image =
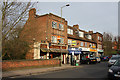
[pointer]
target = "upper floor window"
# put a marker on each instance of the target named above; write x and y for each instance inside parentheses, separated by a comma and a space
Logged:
(81, 34)
(89, 37)
(99, 46)
(61, 27)
(54, 39)
(69, 42)
(70, 31)
(98, 38)
(81, 44)
(54, 24)
(61, 40)
(90, 44)
(85, 44)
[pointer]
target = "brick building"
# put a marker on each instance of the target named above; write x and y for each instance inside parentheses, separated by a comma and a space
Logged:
(98, 38)
(82, 41)
(48, 33)
(50, 36)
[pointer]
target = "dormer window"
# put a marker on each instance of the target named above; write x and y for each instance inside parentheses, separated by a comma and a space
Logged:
(70, 31)
(89, 37)
(81, 34)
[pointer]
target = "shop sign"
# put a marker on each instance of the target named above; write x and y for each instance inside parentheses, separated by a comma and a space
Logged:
(84, 49)
(73, 42)
(93, 50)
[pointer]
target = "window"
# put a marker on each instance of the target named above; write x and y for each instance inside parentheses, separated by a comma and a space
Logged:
(61, 27)
(90, 44)
(98, 38)
(54, 39)
(69, 42)
(81, 44)
(81, 34)
(99, 46)
(61, 40)
(89, 37)
(54, 24)
(85, 44)
(70, 31)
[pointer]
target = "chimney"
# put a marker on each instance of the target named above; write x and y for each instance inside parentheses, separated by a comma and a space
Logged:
(32, 13)
(76, 26)
(90, 32)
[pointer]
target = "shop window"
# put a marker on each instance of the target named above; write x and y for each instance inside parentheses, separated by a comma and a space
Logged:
(54, 25)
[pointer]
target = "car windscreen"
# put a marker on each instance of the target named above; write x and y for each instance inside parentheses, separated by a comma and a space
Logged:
(117, 63)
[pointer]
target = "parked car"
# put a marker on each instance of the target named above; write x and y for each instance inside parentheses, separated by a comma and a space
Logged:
(114, 71)
(88, 59)
(113, 60)
(104, 58)
(98, 59)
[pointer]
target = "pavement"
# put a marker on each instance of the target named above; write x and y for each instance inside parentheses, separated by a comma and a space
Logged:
(36, 70)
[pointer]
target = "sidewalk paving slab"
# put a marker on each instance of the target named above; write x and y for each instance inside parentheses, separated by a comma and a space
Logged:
(35, 70)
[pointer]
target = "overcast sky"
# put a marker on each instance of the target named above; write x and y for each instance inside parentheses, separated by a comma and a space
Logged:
(96, 16)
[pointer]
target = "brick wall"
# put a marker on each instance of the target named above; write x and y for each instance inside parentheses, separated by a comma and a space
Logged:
(29, 63)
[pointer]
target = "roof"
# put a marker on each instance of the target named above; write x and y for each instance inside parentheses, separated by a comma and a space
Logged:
(76, 37)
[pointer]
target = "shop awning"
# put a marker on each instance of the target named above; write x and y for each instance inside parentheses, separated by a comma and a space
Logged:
(45, 50)
(74, 51)
(59, 51)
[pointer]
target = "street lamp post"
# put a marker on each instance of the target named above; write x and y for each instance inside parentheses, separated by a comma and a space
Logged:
(61, 23)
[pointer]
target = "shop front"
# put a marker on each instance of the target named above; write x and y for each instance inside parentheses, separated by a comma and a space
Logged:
(59, 51)
(74, 55)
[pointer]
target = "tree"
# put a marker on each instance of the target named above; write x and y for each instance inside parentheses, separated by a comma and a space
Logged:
(14, 15)
(107, 43)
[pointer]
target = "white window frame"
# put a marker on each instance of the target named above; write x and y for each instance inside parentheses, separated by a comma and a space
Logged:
(69, 42)
(62, 40)
(81, 34)
(82, 44)
(85, 44)
(69, 31)
(61, 26)
(54, 39)
(54, 24)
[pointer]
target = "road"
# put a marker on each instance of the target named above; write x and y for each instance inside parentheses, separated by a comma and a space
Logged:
(98, 70)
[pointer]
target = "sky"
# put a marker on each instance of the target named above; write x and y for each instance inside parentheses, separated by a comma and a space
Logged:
(97, 16)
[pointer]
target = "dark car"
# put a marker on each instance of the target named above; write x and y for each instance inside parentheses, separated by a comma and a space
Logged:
(114, 71)
(88, 59)
(104, 58)
(112, 60)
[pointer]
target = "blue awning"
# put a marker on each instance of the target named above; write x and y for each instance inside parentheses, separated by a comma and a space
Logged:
(75, 52)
